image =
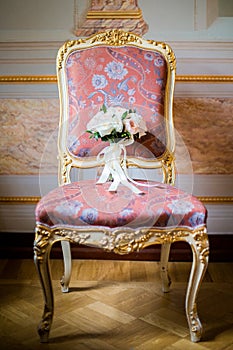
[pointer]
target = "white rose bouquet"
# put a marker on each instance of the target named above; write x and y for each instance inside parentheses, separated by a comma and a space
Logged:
(116, 123)
(120, 127)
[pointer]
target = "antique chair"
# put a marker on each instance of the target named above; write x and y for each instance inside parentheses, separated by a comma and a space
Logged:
(117, 68)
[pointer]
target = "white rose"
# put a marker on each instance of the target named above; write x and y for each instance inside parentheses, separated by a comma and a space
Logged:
(105, 123)
(134, 124)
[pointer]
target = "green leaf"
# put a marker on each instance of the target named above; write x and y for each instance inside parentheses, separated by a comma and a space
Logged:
(132, 110)
(103, 108)
(124, 115)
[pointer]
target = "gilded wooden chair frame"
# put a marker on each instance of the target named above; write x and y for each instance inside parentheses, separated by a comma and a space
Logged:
(120, 240)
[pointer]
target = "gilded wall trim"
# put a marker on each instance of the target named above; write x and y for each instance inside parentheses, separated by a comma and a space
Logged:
(216, 200)
(19, 200)
(137, 14)
(52, 79)
(204, 78)
(35, 200)
(28, 79)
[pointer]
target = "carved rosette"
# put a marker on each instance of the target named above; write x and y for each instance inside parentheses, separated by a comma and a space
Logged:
(116, 37)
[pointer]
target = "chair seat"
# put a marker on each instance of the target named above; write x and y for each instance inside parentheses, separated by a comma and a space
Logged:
(87, 203)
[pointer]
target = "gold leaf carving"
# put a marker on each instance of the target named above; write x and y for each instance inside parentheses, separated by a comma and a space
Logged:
(170, 236)
(170, 54)
(126, 244)
(64, 49)
(116, 37)
(168, 165)
(72, 235)
(42, 237)
(202, 244)
(66, 162)
(195, 323)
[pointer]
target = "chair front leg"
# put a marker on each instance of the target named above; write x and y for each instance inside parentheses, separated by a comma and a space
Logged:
(42, 249)
(166, 280)
(200, 248)
(65, 280)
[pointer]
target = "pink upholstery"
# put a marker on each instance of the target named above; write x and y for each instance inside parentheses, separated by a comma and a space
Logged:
(86, 203)
(126, 76)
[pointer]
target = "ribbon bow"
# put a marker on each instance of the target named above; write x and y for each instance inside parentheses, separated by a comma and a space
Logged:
(115, 165)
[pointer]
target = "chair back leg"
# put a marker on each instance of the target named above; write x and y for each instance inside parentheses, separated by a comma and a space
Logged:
(65, 280)
(166, 280)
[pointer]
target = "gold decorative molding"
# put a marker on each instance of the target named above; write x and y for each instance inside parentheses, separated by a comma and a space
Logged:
(52, 79)
(19, 200)
(28, 79)
(35, 200)
(216, 200)
(204, 78)
(64, 49)
(116, 37)
(137, 14)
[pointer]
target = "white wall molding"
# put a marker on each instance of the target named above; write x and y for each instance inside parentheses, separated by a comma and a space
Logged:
(205, 90)
(31, 185)
(47, 91)
(39, 59)
(17, 218)
(220, 220)
(28, 91)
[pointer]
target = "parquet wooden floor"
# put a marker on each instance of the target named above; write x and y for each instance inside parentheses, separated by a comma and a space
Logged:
(114, 305)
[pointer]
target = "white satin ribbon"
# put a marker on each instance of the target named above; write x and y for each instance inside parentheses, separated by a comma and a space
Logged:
(115, 165)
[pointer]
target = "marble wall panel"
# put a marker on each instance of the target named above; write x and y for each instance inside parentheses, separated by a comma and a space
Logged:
(206, 125)
(29, 131)
(27, 127)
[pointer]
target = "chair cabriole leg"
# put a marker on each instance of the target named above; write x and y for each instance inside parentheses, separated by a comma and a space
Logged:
(200, 248)
(42, 249)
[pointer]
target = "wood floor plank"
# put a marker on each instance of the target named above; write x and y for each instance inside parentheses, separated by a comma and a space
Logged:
(114, 305)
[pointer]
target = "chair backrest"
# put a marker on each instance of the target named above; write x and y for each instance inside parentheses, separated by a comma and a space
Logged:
(116, 68)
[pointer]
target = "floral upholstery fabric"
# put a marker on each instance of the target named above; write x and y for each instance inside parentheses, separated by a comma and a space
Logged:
(125, 76)
(86, 203)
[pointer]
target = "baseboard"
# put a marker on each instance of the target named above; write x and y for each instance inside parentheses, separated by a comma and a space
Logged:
(20, 246)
